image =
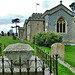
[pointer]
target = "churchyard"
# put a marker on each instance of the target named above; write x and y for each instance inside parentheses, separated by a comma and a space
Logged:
(69, 53)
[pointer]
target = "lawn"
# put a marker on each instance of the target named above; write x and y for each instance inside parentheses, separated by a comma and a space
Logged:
(6, 41)
(69, 54)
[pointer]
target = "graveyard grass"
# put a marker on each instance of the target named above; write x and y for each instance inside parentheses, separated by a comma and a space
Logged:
(69, 53)
(6, 41)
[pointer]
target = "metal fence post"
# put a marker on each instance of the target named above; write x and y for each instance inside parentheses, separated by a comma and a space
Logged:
(43, 68)
(11, 67)
(53, 64)
(20, 64)
(35, 65)
(50, 65)
(28, 67)
(56, 64)
(2, 65)
(46, 58)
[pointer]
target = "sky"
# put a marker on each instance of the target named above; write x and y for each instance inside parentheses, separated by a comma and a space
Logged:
(22, 9)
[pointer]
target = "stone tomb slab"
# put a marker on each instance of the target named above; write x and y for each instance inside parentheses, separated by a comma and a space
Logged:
(14, 51)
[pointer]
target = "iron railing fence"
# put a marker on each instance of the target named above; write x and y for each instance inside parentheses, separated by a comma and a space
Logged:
(38, 68)
(53, 63)
(49, 64)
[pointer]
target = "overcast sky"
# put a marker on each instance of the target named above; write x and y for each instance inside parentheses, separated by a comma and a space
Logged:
(22, 9)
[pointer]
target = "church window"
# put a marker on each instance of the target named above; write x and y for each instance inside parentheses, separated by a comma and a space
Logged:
(57, 27)
(61, 25)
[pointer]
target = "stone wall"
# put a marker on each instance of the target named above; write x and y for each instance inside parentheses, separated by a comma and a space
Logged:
(21, 32)
(47, 23)
(74, 28)
(25, 35)
(28, 31)
(67, 37)
(35, 27)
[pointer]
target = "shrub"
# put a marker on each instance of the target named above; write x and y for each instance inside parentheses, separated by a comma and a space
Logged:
(39, 38)
(46, 39)
(52, 37)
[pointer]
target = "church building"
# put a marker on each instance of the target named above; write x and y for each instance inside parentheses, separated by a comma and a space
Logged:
(59, 19)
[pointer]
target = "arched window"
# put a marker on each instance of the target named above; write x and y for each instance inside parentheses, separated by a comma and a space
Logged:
(61, 25)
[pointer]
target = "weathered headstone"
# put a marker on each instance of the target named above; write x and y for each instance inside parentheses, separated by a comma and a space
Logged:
(6, 36)
(21, 40)
(58, 48)
(14, 37)
(0, 35)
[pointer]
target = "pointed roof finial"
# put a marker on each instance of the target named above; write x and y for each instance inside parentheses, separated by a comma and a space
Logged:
(60, 1)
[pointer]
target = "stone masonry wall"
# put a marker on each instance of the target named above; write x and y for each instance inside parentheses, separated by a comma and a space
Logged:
(52, 22)
(36, 27)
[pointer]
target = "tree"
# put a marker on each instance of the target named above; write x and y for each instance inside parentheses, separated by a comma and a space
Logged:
(72, 6)
(16, 20)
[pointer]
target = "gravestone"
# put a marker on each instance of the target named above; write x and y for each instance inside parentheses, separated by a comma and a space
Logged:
(0, 35)
(21, 40)
(58, 48)
(14, 37)
(6, 36)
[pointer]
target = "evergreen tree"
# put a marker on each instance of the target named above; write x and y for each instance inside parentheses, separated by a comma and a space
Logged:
(16, 20)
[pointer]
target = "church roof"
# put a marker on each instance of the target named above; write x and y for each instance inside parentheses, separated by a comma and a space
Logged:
(57, 8)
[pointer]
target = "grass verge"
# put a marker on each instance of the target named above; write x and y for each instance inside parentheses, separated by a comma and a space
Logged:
(70, 55)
